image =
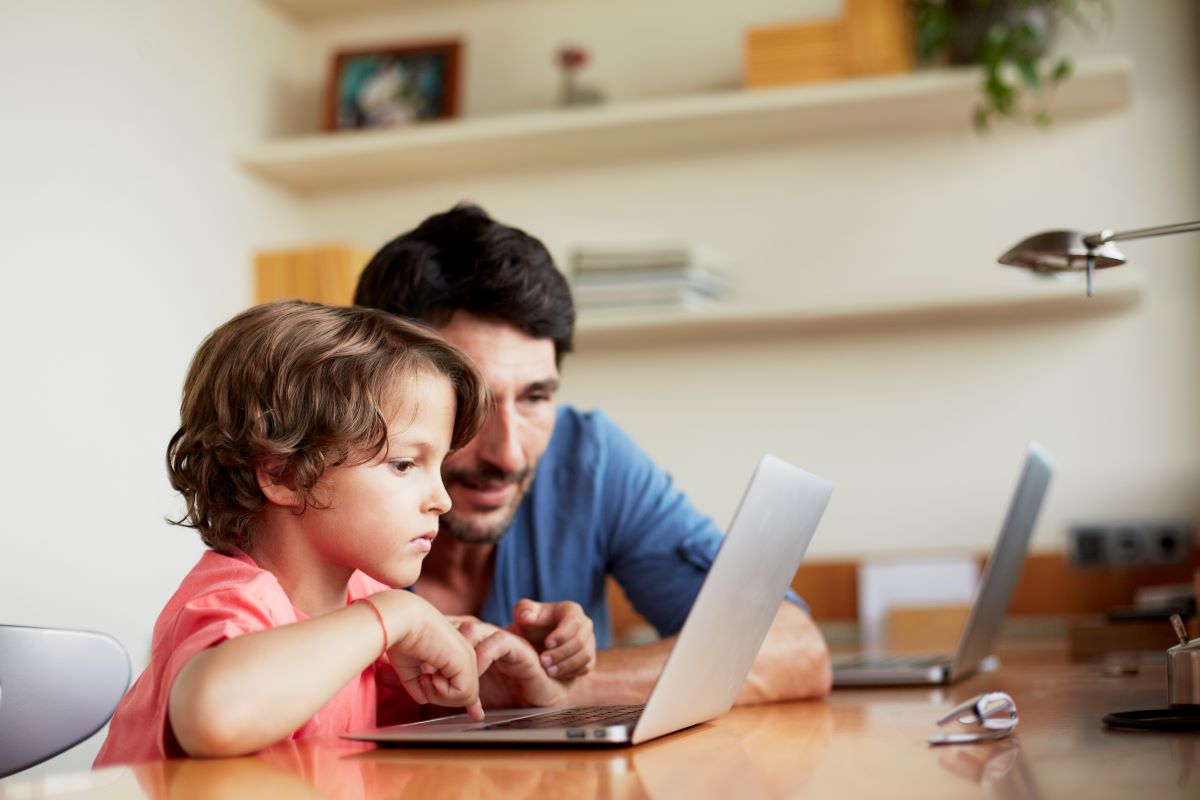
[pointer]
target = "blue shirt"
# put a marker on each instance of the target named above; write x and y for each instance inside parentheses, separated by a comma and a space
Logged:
(597, 506)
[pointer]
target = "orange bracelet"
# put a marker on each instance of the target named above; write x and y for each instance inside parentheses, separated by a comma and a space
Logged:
(382, 625)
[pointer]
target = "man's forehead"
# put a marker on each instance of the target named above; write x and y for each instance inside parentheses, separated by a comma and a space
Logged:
(501, 350)
(505, 369)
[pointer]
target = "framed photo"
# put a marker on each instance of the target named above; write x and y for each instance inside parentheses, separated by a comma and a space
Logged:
(393, 85)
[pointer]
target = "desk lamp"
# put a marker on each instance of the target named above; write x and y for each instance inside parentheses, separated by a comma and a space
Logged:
(1069, 251)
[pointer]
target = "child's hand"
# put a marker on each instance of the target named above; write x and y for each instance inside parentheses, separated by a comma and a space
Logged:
(434, 662)
(561, 632)
(510, 675)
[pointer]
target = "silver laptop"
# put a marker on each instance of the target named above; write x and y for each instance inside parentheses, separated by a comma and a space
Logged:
(991, 599)
(728, 622)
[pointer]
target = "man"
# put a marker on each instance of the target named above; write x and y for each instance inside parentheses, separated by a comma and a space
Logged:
(547, 501)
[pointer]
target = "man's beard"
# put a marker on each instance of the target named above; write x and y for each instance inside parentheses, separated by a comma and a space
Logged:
(471, 533)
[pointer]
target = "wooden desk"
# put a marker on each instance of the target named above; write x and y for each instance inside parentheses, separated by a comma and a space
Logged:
(861, 743)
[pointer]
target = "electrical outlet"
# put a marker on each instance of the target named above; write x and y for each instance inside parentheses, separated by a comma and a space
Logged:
(1087, 546)
(1129, 544)
(1169, 543)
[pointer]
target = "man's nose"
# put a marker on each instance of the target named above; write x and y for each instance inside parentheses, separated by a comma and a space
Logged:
(499, 441)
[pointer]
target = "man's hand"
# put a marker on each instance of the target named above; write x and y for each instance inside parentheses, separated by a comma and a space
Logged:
(561, 633)
(792, 664)
(510, 675)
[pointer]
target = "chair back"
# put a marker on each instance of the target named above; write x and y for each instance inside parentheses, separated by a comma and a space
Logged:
(57, 688)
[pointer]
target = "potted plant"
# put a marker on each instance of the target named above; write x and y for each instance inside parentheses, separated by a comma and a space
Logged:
(1010, 40)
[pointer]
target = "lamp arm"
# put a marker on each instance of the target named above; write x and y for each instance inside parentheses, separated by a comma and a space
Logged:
(1096, 239)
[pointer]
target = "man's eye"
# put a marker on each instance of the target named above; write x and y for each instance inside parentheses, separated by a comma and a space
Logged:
(403, 465)
(539, 397)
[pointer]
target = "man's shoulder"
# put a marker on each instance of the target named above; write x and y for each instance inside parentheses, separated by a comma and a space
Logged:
(590, 455)
(578, 422)
(588, 444)
(580, 433)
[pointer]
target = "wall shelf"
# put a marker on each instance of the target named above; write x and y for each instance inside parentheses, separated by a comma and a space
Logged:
(1035, 298)
(309, 11)
(737, 120)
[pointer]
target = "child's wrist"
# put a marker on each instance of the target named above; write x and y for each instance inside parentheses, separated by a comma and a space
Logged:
(383, 627)
(395, 606)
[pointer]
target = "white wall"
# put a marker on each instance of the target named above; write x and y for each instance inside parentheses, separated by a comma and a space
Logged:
(921, 426)
(637, 48)
(127, 233)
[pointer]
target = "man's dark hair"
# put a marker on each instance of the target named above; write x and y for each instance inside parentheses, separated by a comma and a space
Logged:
(463, 260)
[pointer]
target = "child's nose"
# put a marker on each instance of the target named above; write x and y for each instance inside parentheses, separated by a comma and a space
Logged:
(439, 498)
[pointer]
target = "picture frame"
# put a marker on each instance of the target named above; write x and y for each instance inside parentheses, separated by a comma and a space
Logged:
(391, 85)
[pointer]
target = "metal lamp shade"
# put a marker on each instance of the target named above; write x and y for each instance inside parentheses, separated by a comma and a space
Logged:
(1061, 251)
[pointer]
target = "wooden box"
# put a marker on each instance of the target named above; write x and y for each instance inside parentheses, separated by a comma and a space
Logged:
(321, 274)
(872, 37)
(801, 53)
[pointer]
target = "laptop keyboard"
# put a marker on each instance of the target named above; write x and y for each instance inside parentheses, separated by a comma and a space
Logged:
(580, 717)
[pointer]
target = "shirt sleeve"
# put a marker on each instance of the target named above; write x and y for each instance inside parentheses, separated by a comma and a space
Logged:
(205, 622)
(660, 546)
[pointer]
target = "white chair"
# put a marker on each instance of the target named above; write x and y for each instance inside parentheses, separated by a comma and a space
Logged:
(57, 688)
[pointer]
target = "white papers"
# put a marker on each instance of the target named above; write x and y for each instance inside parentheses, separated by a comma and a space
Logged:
(910, 582)
(618, 256)
(648, 274)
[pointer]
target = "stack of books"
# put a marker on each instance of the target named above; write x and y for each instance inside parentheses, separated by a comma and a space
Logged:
(650, 276)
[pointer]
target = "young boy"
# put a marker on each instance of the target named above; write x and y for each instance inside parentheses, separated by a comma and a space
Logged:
(309, 455)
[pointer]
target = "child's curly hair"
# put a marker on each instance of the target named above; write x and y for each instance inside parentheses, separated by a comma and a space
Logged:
(295, 388)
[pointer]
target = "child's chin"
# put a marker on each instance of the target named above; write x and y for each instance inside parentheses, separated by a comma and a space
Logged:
(404, 577)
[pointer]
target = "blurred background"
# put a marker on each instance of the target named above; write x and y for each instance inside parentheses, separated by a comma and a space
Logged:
(151, 151)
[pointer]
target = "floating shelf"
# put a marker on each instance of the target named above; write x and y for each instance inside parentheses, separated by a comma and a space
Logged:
(307, 11)
(914, 102)
(1036, 299)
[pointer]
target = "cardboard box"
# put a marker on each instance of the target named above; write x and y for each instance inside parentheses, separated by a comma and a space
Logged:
(320, 274)
(872, 37)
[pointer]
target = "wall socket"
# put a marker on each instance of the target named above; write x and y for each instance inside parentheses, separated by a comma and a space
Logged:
(1129, 544)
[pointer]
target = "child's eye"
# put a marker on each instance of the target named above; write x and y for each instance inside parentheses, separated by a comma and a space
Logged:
(403, 465)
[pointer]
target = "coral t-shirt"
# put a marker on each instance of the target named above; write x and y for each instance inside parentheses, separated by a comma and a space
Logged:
(223, 597)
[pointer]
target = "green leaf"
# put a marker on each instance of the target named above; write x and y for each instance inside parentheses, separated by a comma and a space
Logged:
(1001, 95)
(1026, 38)
(1061, 71)
(995, 42)
(980, 119)
(933, 26)
(1005, 51)
(1029, 73)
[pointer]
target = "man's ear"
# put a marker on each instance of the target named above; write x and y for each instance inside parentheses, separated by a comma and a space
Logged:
(278, 491)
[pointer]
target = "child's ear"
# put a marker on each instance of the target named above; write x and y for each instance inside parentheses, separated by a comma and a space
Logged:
(278, 491)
